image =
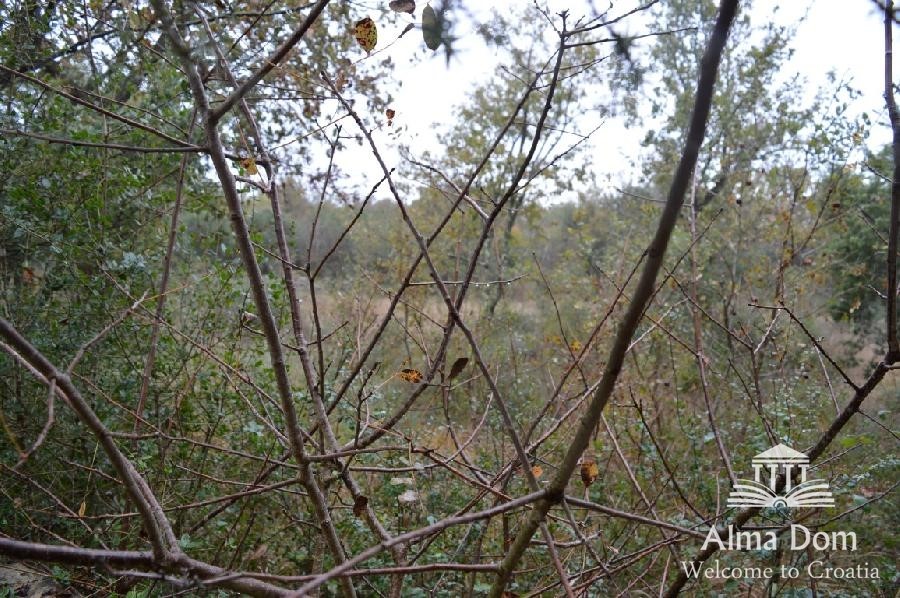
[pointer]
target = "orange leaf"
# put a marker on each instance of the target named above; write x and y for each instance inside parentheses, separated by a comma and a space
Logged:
(411, 375)
(537, 471)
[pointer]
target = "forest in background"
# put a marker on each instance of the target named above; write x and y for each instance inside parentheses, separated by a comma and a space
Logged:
(229, 366)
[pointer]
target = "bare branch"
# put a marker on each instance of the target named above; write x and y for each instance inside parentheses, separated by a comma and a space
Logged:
(269, 63)
(641, 296)
(894, 234)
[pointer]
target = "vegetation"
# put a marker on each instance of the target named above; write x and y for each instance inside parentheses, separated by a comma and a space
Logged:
(230, 366)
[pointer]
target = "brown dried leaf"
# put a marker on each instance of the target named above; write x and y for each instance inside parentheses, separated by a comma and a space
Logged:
(82, 509)
(341, 80)
(359, 505)
(403, 6)
(458, 366)
(589, 472)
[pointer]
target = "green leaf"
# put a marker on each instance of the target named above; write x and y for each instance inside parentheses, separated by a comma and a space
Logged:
(431, 28)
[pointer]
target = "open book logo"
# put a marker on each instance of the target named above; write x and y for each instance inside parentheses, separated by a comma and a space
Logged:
(762, 490)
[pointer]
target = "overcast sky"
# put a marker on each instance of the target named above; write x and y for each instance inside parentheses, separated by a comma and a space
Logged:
(845, 36)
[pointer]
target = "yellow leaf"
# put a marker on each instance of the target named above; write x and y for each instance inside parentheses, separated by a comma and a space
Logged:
(589, 472)
(411, 375)
(366, 34)
(82, 509)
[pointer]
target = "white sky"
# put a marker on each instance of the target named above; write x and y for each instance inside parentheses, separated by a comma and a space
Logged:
(845, 36)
